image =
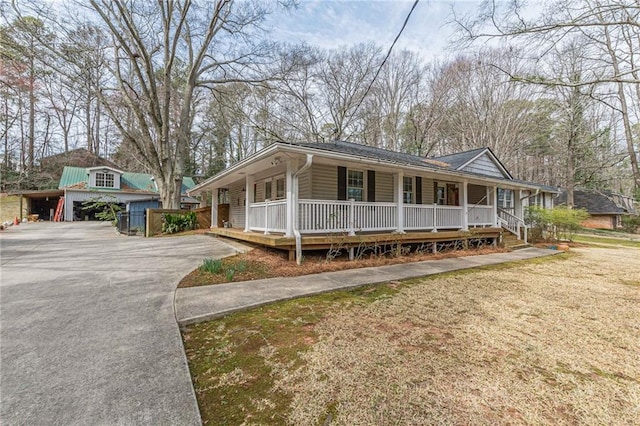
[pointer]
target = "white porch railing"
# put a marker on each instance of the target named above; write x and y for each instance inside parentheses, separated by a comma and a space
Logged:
(329, 216)
(481, 216)
(418, 216)
(512, 224)
(268, 216)
(345, 216)
(448, 217)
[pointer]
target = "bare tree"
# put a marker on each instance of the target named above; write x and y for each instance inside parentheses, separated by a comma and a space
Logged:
(613, 29)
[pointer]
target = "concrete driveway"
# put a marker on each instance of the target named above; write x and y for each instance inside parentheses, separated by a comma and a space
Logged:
(87, 327)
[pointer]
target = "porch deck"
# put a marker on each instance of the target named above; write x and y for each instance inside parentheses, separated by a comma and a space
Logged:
(325, 242)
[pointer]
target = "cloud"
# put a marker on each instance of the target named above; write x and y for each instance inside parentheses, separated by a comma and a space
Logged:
(329, 24)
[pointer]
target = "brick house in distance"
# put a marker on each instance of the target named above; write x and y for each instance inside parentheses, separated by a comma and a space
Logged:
(605, 208)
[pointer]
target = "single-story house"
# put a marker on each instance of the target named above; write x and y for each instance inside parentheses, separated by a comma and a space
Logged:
(315, 191)
(110, 184)
(605, 208)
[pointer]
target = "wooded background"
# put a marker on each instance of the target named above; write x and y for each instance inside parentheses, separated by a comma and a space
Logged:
(188, 88)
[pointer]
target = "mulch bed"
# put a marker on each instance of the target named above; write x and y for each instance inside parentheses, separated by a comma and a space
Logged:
(261, 262)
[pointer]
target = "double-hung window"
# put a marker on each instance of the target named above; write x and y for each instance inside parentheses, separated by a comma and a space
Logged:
(407, 189)
(280, 188)
(267, 190)
(355, 185)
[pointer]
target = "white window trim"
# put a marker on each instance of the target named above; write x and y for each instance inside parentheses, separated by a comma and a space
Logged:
(412, 192)
(364, 183)
(274, 186)
(268, 196)
(104, 179)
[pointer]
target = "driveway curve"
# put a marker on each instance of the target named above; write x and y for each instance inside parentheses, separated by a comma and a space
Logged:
(87, 327)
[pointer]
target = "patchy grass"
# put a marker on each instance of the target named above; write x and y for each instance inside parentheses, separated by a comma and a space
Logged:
(261, 262)
(550, 341)
(234, 361)
(592, 239)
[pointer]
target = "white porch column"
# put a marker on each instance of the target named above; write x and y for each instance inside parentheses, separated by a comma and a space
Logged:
(517, 203)
(400, 202)
(292, 166)
(248, 198)
(214, 208)
(465, 208)
(494, 201)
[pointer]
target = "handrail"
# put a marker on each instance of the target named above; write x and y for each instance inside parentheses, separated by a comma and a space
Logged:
(513, 223)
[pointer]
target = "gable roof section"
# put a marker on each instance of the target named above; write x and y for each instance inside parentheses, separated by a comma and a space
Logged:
(78, 178)
(597, 202)
(470, 161)
(459, 159)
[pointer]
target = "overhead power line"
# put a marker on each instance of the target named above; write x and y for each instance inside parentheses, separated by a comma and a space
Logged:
(384, 61)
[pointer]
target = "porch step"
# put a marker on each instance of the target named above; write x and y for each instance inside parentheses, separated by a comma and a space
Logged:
(510, 241)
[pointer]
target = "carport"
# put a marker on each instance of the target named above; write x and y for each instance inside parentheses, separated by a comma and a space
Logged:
(43, 203)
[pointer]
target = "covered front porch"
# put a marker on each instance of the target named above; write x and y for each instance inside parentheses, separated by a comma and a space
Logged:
(312, 196)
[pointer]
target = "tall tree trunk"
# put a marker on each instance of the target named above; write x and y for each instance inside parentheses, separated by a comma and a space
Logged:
(32, 114)
(87, 117)
(624, 110)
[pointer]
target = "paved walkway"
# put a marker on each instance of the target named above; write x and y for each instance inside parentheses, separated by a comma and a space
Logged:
(198, 304)
(88, 334)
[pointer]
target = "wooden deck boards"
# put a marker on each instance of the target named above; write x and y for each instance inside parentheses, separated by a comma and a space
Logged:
(320, 242)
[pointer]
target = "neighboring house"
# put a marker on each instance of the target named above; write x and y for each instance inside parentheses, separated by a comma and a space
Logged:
(605, 208)
(346, 188)
(107, 183)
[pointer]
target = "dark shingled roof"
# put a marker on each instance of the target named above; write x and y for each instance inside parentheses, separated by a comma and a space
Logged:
(597, 202)
(447, 162)
(375, 153)
(458, 159)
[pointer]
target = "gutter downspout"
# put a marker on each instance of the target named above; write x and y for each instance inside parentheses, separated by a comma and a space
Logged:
(296, 233)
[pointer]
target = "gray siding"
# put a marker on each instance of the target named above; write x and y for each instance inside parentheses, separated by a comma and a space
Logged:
(236, 207)
(427, 190)
(384, 187)
(484, 165)
(324, 182)
(260, 195)
(477, 195)
(304, 185)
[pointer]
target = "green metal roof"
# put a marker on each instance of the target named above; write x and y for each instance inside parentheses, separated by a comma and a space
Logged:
(187, 184)
(78, 177)
(73, 176)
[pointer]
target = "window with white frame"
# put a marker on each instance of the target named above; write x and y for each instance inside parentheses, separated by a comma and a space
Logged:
(505, 198)
(355, 185)
(441, 196)
(267, 190)
(280, 188)
(407, 189)
(105, 180)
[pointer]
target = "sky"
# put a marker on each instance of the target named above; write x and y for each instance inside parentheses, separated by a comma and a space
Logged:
(330, 24)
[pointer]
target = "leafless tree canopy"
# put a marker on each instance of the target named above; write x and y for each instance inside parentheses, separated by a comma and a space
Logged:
(188, 87)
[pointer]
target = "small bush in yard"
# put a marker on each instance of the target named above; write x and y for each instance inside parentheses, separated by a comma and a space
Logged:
(545, 223)
(630, 224)
(213, 266)
(567, 221)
